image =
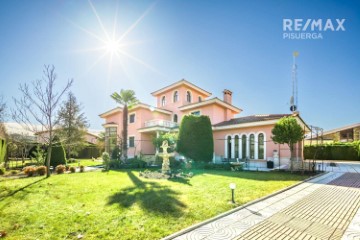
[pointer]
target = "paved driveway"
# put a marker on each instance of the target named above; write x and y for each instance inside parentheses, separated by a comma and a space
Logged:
(326, 207)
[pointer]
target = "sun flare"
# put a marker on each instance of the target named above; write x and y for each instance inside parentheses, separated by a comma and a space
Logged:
(112, 46)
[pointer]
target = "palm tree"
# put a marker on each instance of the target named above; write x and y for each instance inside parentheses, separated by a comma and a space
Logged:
(128, 100)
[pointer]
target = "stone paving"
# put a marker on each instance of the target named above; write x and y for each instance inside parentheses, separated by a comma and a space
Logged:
(327, 207)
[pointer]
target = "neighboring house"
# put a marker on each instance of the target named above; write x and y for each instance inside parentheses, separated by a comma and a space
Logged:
(245, 137)
(348, 133)
(91, 136)
(16, 129)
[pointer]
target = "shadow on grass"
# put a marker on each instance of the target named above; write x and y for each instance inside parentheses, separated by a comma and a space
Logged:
(22, 189)
(151, 196)
(180, 180)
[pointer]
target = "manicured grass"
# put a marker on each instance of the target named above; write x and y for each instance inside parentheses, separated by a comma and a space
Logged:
(121, 205)
(85, 162)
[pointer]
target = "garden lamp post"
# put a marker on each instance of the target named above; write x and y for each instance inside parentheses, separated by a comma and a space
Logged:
(232, 187)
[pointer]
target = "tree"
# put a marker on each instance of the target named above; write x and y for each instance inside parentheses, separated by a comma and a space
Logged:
(72, 125)
(2, 117)
(39, 104)
(128, 100)
(170, 137)
(287, 131)
(196, 138)
(100, 142)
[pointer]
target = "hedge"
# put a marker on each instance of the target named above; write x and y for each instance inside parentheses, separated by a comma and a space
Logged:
(196, 138)
(336, 151)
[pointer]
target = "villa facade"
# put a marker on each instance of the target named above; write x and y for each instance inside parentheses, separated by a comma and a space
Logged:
(234, 138)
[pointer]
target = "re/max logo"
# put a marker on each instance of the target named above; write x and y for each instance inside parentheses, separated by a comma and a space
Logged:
(313, 25)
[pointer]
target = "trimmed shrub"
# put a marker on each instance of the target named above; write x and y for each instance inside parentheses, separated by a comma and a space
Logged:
(106, 159)
(115, 154)
(67, 168)
(196, 138)
(2, 171)
(335, 151)
(60, 169)
(30, 171)
(58, 156)
(72, 169)
(82, 168)
(134, 163)
(90, 151)
(41, 170)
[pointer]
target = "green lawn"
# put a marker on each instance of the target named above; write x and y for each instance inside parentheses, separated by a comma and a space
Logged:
(121, 205)
(85, 162)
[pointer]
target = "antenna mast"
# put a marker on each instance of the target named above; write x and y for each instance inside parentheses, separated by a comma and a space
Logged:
(294, 97)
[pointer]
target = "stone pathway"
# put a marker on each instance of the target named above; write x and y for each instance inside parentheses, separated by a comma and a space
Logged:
(327, 207)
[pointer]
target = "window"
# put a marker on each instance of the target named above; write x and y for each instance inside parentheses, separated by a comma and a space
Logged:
(229, 147)
(175, 118)
(252, 146)
(176, 96)
(188, 96)
(200, 99)
(110, 139)
(236, 146)
(261, 146)
(131, 141)
(163, 101)
(132, 118)
(243, 146)
(196, 113)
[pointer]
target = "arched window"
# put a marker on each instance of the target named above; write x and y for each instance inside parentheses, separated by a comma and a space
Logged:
(188, 96)
(163, 101)
(243, 146)
(176, 96)
(175, 118)
(229, 147)
(236, 146)
(261, 146)
(252, 146)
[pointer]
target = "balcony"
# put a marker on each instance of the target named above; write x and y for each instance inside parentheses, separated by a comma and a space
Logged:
(161, 123)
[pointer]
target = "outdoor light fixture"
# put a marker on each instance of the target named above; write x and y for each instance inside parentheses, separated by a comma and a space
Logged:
(232, 187)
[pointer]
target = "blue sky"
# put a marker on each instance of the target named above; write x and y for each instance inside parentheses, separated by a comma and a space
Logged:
(237, 45)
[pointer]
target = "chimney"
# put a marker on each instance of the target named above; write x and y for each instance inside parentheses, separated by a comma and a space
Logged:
(227, 96)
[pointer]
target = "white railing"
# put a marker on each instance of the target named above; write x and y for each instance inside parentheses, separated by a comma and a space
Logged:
(160, 123)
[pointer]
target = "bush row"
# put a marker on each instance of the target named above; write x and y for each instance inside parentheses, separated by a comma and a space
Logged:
(337, 151)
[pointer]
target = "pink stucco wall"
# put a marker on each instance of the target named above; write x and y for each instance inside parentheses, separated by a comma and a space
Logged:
(215, 112)
(220, 138)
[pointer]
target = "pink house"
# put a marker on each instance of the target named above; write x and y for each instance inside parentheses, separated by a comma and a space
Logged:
(234, 138)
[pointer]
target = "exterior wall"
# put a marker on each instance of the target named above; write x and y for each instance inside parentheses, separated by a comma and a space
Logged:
(215, 112)
(143, 142)
(173, 106)
(117, 119)
(220, 143)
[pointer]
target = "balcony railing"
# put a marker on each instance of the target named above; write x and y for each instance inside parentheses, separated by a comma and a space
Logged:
(160, 123)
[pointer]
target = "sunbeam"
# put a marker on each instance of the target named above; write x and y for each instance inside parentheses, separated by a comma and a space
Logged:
(113, 44)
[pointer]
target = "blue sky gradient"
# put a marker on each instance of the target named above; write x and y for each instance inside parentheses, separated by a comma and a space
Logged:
(237, 45)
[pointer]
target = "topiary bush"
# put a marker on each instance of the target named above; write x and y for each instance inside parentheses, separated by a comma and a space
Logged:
(72, 169)
(58, 156)
(41, 170)
(2, 171)
(196, 138)
(106, 159)
(82, 168)
(60, 169)
(30, 171)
